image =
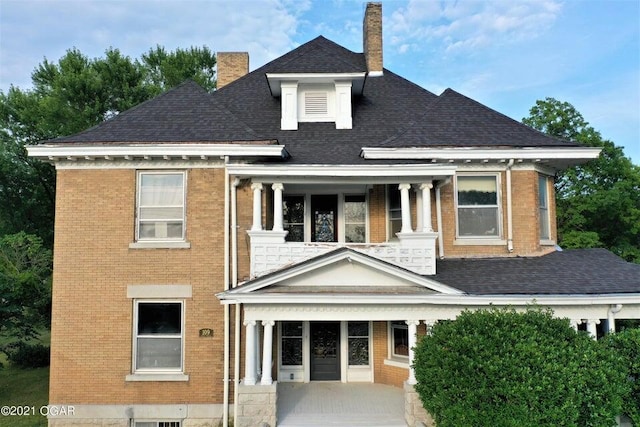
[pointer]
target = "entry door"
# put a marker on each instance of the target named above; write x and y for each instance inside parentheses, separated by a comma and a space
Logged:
(324, 215)
(325, 351)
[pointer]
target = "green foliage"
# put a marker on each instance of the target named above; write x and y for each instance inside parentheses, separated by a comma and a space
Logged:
(28, 387)
(25, 285)
(26, 356)
(503, 368)
(627, 344)
(68, 97)
(598, 203)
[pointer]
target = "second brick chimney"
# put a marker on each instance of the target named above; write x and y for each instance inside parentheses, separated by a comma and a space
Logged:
(372, 38)
(231, 66)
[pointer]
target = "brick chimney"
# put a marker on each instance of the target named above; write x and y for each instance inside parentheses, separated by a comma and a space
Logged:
(231, 66)
(372, 38)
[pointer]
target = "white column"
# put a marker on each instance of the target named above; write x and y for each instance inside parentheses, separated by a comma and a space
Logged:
(267, 349)
(257, 206)
(591, 327)
(426, 206)
(277, 207)
(429, 323)
(413, 339)
(574, 323)
(406, 208)
(250, 353)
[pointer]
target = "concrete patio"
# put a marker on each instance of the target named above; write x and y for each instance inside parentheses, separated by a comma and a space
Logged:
(340, 405)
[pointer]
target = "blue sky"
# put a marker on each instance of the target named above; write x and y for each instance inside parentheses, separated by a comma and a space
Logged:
(505, 54)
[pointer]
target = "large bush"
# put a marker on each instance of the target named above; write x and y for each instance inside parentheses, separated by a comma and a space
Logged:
(498, 367)
(627, 344)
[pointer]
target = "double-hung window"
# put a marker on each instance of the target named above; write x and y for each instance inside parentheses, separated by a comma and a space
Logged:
(159, 336)
(543, 208)
(355, 219)
(161, 206)
(394, 211)
(399, 339)
(477, 200)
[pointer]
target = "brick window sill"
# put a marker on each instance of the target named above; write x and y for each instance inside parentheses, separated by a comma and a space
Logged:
(157, 377)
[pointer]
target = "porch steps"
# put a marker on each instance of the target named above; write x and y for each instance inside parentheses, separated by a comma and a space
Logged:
(334, 404)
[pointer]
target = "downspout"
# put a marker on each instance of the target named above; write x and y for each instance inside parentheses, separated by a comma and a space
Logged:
(439, 216)
(509, 212)
(225, 403)
(234, 283)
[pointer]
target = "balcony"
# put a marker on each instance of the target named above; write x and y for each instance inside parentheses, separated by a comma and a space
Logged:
(413, 250)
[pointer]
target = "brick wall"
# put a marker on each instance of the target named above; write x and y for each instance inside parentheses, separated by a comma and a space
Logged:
(92, 316)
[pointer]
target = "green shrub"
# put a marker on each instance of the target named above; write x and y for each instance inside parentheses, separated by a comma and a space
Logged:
(498, 367)
(25, 355)
(627, 344)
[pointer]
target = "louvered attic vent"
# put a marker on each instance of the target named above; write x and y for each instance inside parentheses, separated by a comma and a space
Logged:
(315, 104)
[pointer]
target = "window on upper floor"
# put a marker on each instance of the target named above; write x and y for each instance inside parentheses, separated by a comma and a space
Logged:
(325, 217)
(158, 336)
(160, 206)
(543, 207)
(394, 213)
(478, 206)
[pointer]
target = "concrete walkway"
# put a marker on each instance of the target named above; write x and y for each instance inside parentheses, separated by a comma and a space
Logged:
(336, 404)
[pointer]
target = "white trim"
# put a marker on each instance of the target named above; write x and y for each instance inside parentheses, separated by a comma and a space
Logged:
(397, 363)
(275, 80)
(366, 174)
(150, 241)
(145, 244)
(142, 376)
(452, 300)
(474, 153)
(478, 238)
(57, 152)
(246, 290)
(149, 373)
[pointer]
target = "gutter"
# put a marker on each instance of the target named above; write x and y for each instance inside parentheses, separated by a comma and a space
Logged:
(234, 283)
(439, 217)
(225, 404)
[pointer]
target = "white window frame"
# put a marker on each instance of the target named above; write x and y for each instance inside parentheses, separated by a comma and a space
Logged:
(498, 206)
(340, 213)
(327, 89)
(388, 189)
(392, 354)
(140, 174)
(365, 222)
(178, 370)
(544, 210)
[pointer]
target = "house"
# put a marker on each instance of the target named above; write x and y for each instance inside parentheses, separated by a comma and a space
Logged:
(306, 222)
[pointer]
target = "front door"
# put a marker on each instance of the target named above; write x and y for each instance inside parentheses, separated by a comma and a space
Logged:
(324, 212)
(325, 351)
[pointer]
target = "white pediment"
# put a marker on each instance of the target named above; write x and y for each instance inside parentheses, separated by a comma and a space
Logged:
(344, 270)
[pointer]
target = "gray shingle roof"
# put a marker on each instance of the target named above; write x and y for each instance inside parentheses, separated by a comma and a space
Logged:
(391, 112)
(578, 271)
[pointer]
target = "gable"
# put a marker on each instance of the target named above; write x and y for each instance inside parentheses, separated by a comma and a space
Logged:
(342, 271)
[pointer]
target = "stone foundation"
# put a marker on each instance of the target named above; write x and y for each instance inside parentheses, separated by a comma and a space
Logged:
(414, 414)
(256, 405)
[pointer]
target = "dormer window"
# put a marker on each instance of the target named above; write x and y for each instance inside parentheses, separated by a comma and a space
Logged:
(316, 97)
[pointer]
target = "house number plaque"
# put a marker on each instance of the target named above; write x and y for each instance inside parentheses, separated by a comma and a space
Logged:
(206, 332)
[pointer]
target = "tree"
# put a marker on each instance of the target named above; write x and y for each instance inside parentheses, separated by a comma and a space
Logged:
(25, 286)
(598, 203)
(627, 344)
(69, 96)
(502, 368)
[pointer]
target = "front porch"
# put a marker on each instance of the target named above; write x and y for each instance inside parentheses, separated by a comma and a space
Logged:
(337, 404)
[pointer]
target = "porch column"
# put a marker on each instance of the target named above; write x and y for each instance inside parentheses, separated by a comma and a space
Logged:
(574, 323)
(257, 206)
(413, 339)
(277, 206)
(591, 327)
(406, 208)
(429, 323)
(250, 353)
(267, 349)
(426, 206)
